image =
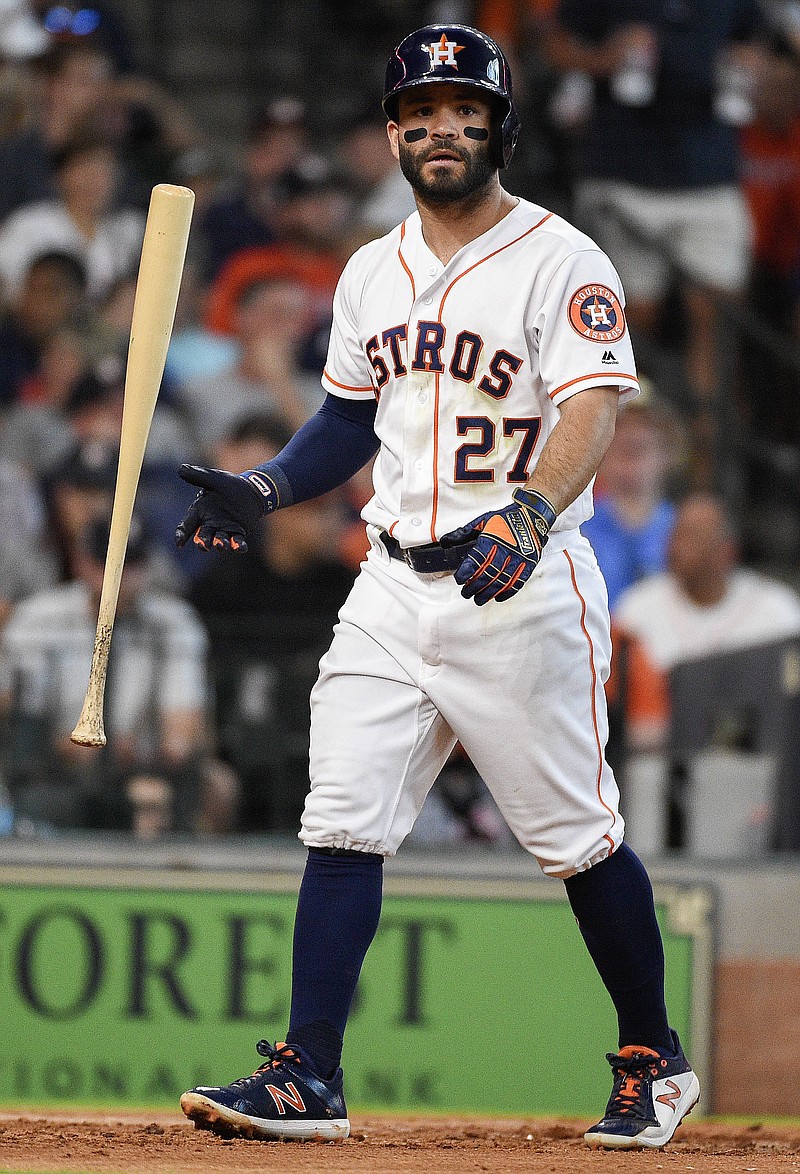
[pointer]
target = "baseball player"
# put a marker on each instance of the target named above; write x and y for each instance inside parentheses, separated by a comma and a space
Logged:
(480, 349)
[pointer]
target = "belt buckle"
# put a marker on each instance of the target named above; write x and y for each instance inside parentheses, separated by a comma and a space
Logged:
(406, 553)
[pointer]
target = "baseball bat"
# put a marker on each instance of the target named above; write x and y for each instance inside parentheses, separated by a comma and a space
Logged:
(160, 269)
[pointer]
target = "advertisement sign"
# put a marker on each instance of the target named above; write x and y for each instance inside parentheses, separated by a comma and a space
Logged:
(128, 988)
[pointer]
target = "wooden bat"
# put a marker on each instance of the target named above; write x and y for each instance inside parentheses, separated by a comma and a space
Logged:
(160, 269)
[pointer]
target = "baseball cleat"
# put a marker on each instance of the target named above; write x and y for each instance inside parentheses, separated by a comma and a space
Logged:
(652, 1094)
(284, 1098)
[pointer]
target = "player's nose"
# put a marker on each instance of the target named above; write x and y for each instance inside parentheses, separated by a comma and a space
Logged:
(444, 126)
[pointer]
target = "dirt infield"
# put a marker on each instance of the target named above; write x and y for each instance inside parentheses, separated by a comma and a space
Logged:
(168, 1144)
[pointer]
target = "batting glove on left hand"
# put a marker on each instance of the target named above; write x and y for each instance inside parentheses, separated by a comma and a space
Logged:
(227, 507)
(508, 545)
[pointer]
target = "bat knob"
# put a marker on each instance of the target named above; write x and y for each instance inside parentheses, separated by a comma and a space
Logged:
(88, 733)
(87, 739)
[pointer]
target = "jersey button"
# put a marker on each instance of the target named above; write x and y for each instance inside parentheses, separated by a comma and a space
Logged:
(422, 398)
(427, 301)
(418, 464)
(433, 270)
(416, 521)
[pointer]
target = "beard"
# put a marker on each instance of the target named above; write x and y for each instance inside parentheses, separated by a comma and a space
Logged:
(447, 185)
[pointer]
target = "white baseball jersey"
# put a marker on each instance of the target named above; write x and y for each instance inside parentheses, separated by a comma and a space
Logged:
(471, 360)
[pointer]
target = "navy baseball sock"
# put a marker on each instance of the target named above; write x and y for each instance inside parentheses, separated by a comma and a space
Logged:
(338, 910)
(613, 903)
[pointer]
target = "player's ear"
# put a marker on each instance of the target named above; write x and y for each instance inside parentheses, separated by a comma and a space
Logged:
(393, 131)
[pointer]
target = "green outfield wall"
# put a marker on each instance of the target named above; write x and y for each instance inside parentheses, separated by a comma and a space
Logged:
(125, 988)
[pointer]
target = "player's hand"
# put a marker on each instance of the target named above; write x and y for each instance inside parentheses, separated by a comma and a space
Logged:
(508, 545)
(227, 508)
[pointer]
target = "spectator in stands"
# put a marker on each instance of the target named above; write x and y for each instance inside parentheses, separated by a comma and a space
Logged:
(313, 222)
(70, 93)
(771, 148)
(75, 395)
(28, 563)
(705, 603)
(36, 431)
(633, 513)
(156, 713)
(273, 319)
(76, 23)
(77, 490)
(195, 351)
(384, 197)
(83, 220)
(155, 136)
(548, 102)
(81, 95)
(50, 300)
(24, 168)
(242, 215)
(93, 410)
(75, 80)
(659, 181)
(168, 433)
(270, 613)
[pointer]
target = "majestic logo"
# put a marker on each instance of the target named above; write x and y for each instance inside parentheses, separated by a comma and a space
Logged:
(444, 52)
(609, 357)
(595, 313)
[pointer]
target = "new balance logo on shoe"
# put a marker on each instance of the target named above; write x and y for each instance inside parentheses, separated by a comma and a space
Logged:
(670, 1098)
(608, 357)
(289, 1096)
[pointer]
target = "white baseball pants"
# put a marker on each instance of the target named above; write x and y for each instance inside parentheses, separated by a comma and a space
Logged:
(414, 667)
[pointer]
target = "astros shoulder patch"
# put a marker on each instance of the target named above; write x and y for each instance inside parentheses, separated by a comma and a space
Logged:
(595, 313)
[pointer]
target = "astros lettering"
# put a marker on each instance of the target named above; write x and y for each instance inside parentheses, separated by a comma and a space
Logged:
(430, 354)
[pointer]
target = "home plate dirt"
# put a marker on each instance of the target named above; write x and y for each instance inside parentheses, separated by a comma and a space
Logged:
(160, 1143)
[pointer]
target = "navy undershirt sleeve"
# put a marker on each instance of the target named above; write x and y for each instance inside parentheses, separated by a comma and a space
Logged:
(326, 451)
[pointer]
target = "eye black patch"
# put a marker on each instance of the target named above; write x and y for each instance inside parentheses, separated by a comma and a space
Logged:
(476, 132)
(414, 136)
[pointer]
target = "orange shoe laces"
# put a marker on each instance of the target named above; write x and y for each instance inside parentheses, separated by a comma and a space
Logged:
(630, 1067)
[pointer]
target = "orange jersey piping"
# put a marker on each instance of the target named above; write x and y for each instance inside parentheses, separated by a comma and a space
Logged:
(585, 631)
(346, 386)
(595, 375)
(402, 260)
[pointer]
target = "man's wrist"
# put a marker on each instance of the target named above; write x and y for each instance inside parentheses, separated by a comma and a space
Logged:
(272, 486)
(541, 510)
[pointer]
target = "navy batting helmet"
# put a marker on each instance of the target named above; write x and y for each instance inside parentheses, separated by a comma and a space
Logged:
(456, 53)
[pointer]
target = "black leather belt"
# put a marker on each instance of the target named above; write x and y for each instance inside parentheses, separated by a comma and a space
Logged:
(427, 560)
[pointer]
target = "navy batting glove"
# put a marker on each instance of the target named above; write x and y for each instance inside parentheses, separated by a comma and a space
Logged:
(508, 545)
(227, 508)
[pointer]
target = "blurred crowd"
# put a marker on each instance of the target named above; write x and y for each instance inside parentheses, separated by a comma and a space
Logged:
(669, 131)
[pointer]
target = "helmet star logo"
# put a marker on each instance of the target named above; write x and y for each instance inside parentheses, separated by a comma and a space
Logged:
(444, 52)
